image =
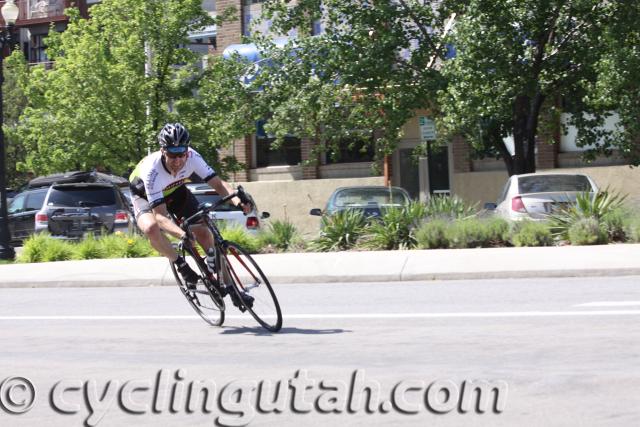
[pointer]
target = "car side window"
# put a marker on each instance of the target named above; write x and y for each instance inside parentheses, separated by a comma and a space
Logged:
(17, 204)
(35, 201)
(505, 190)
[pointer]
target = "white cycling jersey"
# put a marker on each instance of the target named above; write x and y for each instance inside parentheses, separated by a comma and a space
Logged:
(159, 182)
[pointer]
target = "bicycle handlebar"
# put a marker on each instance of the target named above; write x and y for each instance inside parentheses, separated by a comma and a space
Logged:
(205, 208)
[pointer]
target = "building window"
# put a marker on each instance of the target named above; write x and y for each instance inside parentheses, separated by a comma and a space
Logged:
(351, 151)
(209, 5)
(251, 12)
(45, 8)
(287, 154)
(37, 53)
(318, 28)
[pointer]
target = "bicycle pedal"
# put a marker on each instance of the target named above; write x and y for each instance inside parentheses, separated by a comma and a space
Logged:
(192, 296)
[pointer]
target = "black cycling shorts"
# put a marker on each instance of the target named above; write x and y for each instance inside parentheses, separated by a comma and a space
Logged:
(181, 203)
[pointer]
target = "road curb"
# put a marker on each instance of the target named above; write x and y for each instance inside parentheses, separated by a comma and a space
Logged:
(167, 280)
(373, 266)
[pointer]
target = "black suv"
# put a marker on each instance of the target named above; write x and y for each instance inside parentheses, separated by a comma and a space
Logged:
(22, 212)
(30, 202)
(72, 210)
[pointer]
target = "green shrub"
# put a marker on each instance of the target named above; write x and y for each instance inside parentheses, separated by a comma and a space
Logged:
(414, 213)
(41, 247)
(471, 233)
(238, 235)
(599, 206)
(138, 247)
(498, 230)
(112, 245)
(33, 248)
(587, 231)
(57, 250)
(89, 248)
(616, 223)
(632, 230)
(448, 207)
(340, 231)
(281, 235)
(432, 235)
(44, 248)
(299, 245)
(125, 246)
(531, 233)
(395, 229)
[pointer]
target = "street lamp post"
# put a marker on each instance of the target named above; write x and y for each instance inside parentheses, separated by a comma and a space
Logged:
(10, 15)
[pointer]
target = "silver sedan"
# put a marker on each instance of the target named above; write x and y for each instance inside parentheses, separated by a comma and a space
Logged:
(536, 195)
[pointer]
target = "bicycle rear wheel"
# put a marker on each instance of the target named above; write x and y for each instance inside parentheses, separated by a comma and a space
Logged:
(205, 299)
(246, 278)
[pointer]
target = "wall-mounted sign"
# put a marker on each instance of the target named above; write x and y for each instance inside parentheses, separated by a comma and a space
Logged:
(427, 129)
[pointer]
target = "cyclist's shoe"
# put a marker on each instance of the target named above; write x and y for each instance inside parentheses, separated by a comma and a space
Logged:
(247, 300)
(189, 277)
(223, 290)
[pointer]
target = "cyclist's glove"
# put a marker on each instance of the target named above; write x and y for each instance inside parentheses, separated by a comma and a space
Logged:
(245, 198)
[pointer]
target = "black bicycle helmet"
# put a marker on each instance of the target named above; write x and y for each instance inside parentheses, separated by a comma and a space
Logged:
(174, 135)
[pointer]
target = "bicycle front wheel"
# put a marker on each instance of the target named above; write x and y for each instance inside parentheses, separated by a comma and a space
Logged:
(205, 298)
(247, 279)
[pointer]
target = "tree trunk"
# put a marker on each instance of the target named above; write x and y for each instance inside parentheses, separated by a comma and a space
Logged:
(497, 141)
(532, 130)
(525, 119)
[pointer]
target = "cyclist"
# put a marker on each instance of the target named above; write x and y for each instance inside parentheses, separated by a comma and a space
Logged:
(158, 187)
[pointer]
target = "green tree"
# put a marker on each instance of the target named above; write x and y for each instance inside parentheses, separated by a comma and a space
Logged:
(357, 76)
(14, 99)
(515, 61)
(227, 106)
(617, 89)
(378, 61)
(97, 106)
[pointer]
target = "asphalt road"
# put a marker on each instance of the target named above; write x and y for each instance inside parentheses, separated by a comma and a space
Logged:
(556, 351)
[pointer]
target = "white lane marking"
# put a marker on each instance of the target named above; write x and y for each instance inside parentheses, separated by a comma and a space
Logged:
(356, 315)
(609, 304)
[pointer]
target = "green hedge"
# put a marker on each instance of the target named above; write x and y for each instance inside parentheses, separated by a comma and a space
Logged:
(42, 247)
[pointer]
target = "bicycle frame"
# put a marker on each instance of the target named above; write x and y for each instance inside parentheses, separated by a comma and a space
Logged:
(232, 265)
(219, 246)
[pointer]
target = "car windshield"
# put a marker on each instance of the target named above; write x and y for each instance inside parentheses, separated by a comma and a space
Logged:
(369, 196)
(553, 183)
(213, 199)
(81, 196)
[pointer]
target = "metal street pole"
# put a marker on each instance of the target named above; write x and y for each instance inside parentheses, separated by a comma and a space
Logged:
(6, 251)
(9, 14)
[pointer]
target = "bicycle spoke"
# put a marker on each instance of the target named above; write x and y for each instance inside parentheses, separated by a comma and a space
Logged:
(248, 279)
(205, 301)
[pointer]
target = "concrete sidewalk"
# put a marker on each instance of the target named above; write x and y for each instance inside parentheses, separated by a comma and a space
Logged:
(379, 266)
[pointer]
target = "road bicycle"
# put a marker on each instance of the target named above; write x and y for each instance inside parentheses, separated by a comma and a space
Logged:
(235, 273)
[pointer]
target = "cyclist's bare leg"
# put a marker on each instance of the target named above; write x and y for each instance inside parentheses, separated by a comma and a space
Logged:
(150, 227)
(203, 236)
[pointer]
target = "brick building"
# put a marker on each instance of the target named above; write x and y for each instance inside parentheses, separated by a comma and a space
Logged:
(35, 19)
